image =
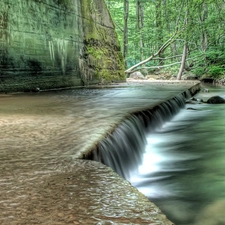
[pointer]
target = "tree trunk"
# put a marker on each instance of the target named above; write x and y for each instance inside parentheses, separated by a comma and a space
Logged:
(184, 55)
(183, 60)
(125, 34)
(204, 36)
(159, 28)
(140, 24)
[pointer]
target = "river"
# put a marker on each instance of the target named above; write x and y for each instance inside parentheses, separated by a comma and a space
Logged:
(183, 168)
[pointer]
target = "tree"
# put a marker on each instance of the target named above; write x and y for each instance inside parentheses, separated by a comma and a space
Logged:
(161, 49)
(125, 31)
(140, 25)
(198, 46)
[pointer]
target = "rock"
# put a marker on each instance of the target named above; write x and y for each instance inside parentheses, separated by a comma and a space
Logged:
(215, 100)
(137, 75)
(190, 108)
(154, 77)
(194, 101)
(37, 89)
(189, 76)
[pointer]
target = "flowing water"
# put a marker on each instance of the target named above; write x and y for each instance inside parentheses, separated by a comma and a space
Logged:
(180, 165)
(183, 166)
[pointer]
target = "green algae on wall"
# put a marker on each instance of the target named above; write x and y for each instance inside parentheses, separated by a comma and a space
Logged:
(52, 44)
(102, 57)
(39, 44)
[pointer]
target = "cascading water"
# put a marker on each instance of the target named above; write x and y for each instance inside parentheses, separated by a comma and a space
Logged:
(181, 167)
(123, 149)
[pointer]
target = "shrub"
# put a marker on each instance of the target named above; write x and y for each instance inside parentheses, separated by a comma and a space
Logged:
(215, 71)
(199, 71)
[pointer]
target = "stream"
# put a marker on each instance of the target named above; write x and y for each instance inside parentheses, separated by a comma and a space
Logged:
(183, 167)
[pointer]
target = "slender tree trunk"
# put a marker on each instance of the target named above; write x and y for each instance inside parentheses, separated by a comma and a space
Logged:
(159, 28)
(183, 60)
(203, 17)
(125, 34)
(186, 35)
(140, 24)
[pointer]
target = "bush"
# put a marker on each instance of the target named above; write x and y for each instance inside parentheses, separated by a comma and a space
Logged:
(215, 71)
(199, 71)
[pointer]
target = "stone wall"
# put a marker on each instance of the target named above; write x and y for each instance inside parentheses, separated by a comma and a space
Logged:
(56, 43)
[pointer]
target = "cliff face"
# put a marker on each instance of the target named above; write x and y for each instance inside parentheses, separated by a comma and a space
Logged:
(57, 43)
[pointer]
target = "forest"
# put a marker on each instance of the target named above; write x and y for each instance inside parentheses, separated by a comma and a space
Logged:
(172, 38)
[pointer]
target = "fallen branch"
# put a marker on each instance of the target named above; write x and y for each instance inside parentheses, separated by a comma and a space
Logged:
(161, 49)
(160, 67)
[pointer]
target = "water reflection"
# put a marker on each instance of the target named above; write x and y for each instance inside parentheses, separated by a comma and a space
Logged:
(183, 170)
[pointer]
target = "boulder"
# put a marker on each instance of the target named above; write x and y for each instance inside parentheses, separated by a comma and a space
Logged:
(137, 75)
(187, 75)
(215, 100)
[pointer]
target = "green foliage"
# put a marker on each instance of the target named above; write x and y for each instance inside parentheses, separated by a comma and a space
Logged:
(215, 71)
(204, 32)
(199, 71)
(215, 56)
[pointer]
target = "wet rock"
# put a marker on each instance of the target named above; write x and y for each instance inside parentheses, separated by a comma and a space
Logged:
(205, 90)
(194, 101)
(215, 100)
(190, 108)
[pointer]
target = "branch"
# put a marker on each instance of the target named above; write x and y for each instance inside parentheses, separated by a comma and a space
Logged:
(161, 49)
(171, 57)
(159, 67)
(118, 26)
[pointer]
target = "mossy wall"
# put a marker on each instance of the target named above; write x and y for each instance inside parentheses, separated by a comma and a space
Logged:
(56, 43)
(102, 58)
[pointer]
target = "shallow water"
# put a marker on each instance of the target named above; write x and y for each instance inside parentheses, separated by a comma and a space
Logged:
(183, 170)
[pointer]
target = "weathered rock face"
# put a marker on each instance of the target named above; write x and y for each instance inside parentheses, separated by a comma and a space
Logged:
(56, 43)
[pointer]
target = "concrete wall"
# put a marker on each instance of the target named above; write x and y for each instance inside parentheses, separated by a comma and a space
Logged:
(102, 55)
(56, 43)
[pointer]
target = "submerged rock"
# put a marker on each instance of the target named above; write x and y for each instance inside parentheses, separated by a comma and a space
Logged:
(194, 101)
(190, 108)
(215, 100)
(213, 214)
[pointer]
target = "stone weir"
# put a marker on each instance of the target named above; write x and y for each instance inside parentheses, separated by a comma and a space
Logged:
(46, 138)
(49, 44)
(122, 149)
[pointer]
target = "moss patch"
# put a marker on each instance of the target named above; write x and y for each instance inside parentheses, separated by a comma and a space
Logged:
(102, 55)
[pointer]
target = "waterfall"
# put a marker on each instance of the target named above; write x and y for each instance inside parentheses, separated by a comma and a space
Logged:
(122, 150)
